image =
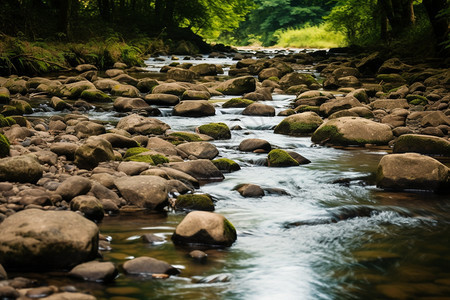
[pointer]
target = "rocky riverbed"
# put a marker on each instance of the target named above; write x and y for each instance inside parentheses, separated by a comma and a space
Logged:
(63, 171)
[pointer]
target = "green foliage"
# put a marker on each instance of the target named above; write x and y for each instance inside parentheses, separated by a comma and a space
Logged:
(308, 36)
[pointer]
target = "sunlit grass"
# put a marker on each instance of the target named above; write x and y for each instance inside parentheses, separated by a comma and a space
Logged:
(310, 37)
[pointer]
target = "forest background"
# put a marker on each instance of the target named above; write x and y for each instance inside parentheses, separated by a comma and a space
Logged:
(38, 36)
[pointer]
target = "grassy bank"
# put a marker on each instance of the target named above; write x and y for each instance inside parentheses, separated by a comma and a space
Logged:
(310, 37)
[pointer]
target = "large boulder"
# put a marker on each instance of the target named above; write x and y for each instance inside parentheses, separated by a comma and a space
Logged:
(143, 191)
(86, 129)
(147, 266)
(281, 158)
(162, 146)
(92, 152)
(293, 79)
(172, 88)
(89, 206)
(424, 144)
(237, 86)
(259, 109)
(218, 131)
(33, 239)
(251, 145)
(73, 186)
(4, 146)
(201, 169)
(125, 90)
(129, 104)
(74, 90)
(190, 202)
(179, 74)
(352, 131)
(199, 149)
(23, 168)
(141, 125)
(205, 69)
(412, 171)
(162, 99)
(5, 96)
(338, 104)
(194, 108)
(205, 228)
(119, 141)
(299, 124)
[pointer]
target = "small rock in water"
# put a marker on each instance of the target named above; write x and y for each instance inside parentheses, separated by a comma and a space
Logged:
(41, 292)
(250, 190)
(198, 255)
(152, 239)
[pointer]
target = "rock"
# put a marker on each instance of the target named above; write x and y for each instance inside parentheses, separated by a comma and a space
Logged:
(299, 158)
(280, 158)
(299, 124)
(23, 168)
(179, 74)
(105, 84)
(434, 119)
(169, 88)
(198, 255)
(340, 103)
(195, 95)
(206, 228)
(199, 149)
(161, 146)
(146, 85)
(194, 202)
(86, 129)
(132, 167)
(64, 148)
(141, 125)
(250, 190)
(8, 292)
(125, 104)
(260, 94)
(95, 271)
(412, 171)
(194, 108)
(162, 99)
(147, 265)
(349, 81)
(152, 239)
(389, 104)
(89, 206)
(119, 141)
(237, 103)
(218, 131)
(16, 85)
(85, 67)
(268, 73)
(393, 65)
(293, 79)
(126, 79)
(4, 146)
(73, 186)
(92, 152)
(94, 95)
(34, 239)
(259, 109)
(352, 131)
(226, 165)
(252, 145)
(35, 196)
(237, 86)
(201, 169)
(5, 96)
(423, 144)
(3, 275)
(114, 72)
(18, 133)
(204, 69)
(143, 191)
(73, 90)
(125, 90)
(70, 296)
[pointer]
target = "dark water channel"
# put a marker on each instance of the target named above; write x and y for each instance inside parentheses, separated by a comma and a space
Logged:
(334, 235)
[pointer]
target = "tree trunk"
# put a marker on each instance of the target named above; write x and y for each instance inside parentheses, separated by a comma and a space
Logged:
(400, 14)
(440, 24)
(65, 11)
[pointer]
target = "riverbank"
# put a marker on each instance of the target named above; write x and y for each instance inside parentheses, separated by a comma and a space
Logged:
(128, 144)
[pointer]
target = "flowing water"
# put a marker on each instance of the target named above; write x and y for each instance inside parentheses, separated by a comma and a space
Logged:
(332, 235)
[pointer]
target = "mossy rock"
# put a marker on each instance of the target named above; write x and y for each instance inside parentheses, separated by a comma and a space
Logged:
(237, 103)
(226, 165)
(424, 144)
(21, 120)
(391, 78)
(23, 107)
(4, 146)
(94, 95)
(416, 99)
(159, 159)
(274, 78)
(147, 158)
(194, 202)
(305, 108)
(5, 96)
(135, 151)
(299, 124)
(185, 136)
(218, 131)
(9, 110)
(280, 158)
(6, 121)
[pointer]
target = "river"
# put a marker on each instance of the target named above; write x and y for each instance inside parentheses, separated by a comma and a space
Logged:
(332, 235)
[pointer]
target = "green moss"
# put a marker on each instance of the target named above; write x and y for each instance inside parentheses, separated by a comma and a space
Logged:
(134, 151)
(326, 133)
(416, 99)
(226, 165)
(237, 103)
(422, 144)
(303, 108)
(280, 158)
(194, 202)
(141, 158)
(186, 136)
(229, 230)
(390, 78)
(4, 146)
(21, 120)
(295, 128)
(274, 78)
(94, 95)
(218, 131)
(159, 159)
(22, 107)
